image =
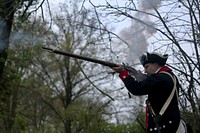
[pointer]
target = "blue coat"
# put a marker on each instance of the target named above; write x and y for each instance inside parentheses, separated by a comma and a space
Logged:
(158, 87)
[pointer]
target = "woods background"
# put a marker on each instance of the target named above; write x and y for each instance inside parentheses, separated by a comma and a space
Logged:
(41, 92)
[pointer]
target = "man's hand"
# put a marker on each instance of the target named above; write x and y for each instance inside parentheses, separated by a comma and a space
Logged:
(139, 76)
(118, 69)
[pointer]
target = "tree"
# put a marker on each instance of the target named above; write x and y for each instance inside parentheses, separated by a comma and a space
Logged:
(8, 8)
(6, 19)
(50, 86)
(16, 66)
(65, 77)
(174, 28)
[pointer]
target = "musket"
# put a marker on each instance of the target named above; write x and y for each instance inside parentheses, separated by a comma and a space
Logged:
(104, 63)
(131, 70)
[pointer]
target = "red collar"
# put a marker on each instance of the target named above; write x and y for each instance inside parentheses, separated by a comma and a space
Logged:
(165, 68)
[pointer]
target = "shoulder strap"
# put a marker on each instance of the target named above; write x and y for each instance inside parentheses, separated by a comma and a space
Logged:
(170, 96)
(163, 109)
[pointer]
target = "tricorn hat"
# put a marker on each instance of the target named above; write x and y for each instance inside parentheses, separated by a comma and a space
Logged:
(153, 58)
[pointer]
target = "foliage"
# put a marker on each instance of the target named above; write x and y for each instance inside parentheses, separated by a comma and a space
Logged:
(12, 78)
(43, 92)
(124, 128)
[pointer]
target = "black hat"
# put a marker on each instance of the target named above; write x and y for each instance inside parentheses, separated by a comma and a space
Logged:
(153, 58)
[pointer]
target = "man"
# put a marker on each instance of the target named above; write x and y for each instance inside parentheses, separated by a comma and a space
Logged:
(163, 115)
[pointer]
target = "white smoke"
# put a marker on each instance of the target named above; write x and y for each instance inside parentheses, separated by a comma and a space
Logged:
(16, 38)
(137, 34)
(24, 38)
(150, 4)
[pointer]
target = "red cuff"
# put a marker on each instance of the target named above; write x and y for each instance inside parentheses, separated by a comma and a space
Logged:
(123, 75)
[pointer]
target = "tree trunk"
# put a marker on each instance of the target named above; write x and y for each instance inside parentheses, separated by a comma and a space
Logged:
(67, 126)
(6, 20)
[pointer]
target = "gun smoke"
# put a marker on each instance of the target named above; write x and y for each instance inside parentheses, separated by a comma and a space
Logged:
(138, 33)
(16, 38)
(21, 38)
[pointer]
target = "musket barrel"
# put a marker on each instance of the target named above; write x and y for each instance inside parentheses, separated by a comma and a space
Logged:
(105, 63)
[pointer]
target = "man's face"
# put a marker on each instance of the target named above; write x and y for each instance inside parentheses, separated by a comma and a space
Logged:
(150, 68)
